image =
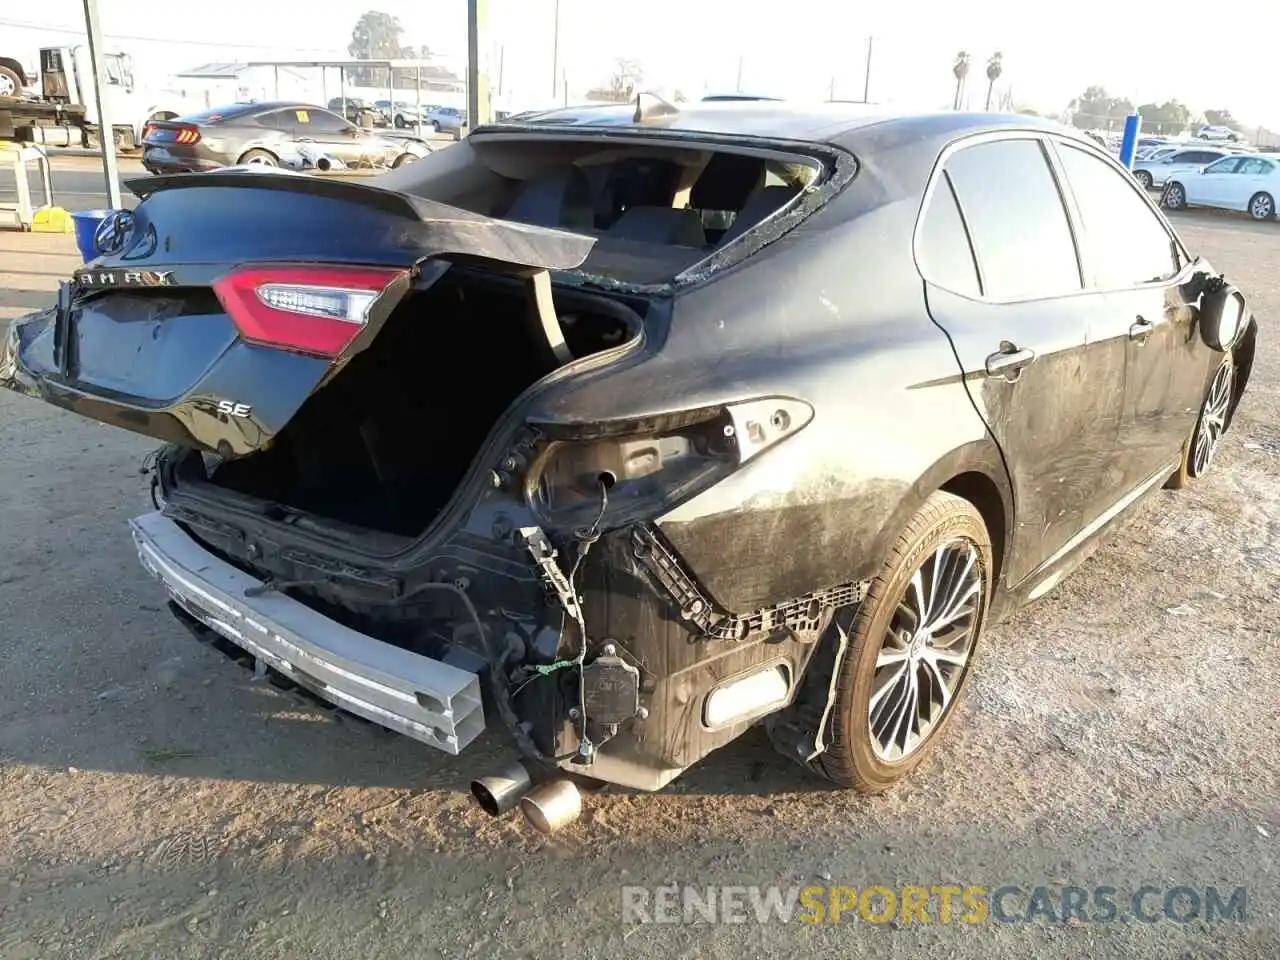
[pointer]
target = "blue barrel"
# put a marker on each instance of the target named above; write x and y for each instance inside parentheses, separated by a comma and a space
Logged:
(86, 223)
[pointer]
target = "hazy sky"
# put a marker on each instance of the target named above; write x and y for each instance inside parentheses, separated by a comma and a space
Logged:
(792, 49)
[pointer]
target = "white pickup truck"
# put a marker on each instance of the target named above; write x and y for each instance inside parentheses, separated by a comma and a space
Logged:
(62, 110)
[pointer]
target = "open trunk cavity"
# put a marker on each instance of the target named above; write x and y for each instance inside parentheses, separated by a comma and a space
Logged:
(384, 443)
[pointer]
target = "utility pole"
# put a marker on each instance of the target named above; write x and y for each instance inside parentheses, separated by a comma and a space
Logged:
(478, 104)
(106, 132)
(866, 83)
(831, 94)
(555, 53)
(739, 88)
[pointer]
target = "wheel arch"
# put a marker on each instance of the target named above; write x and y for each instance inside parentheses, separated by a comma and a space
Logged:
(16, 67)
(255, 147)
(987, 498)
(974, 472)
(1242, 356)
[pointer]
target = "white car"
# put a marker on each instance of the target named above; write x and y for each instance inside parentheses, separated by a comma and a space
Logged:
(1156, 173)
(1211, 132)
(1245, 182)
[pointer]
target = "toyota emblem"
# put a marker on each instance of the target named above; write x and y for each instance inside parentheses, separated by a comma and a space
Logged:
(110, 237)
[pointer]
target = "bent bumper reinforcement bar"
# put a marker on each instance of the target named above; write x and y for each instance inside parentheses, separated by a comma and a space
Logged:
(425, 699)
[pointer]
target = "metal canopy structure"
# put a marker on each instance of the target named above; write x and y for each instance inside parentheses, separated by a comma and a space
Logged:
(220, 71)
(342, 66)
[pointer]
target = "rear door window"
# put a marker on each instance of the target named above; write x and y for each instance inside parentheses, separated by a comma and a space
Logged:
(946, 259)
(1021, 235)
(278, 120)
(1125, 242)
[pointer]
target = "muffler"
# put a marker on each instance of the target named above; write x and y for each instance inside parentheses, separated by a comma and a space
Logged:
(501, 791)
(552, 805)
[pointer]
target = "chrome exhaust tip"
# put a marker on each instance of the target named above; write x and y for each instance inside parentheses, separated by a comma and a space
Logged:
(553, 805)
(500, 792)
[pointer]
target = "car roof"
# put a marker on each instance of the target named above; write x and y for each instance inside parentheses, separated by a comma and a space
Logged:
(785, 120)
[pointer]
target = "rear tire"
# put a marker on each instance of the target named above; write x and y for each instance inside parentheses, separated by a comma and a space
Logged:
(894, 657)
(1262, 206)
(401, 122)
(1143, 178)
(403, 159)
(264, 157)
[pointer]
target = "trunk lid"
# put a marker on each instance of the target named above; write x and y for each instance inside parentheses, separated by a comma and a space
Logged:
(228, 298)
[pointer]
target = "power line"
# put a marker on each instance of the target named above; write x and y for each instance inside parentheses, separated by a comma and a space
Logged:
(48, 28)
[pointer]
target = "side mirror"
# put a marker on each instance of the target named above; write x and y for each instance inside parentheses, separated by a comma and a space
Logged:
(1221, 311)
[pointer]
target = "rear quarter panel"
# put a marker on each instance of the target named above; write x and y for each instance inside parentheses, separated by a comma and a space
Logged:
(833, 313)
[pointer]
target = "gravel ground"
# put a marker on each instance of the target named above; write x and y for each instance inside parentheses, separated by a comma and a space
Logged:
(156, 802)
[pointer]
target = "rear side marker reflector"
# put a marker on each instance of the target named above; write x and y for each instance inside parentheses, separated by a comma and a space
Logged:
(313, 310)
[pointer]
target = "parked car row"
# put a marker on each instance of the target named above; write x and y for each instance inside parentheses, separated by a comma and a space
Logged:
(273, 134)
(402, 114)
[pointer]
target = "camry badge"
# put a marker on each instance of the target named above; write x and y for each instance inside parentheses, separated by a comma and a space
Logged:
(96, 279)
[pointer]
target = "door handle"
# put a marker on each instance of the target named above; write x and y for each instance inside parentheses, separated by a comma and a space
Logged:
(1140, 329)
(1008, 361)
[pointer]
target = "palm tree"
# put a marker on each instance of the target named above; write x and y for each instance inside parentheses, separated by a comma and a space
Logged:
(961, 70)
(994, 69)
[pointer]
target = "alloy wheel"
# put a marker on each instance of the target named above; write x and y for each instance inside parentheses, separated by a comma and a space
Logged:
(1174, 196)
(925, 651)
(1213, 420)
(1144, 179)
(7, 88)
(1262, 207)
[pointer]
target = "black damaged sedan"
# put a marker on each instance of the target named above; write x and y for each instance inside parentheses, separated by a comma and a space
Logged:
(625, 437)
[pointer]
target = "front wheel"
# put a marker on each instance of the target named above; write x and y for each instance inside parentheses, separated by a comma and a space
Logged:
(1262, 207)
(909, 646)
(1202, 445)
(1174, 197)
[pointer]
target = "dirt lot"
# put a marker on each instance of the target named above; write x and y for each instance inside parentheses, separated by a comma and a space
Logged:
(156, 802)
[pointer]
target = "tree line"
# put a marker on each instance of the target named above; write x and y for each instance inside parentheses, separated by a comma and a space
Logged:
(1096, 108)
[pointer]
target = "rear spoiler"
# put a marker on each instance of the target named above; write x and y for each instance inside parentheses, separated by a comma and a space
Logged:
(452, 230)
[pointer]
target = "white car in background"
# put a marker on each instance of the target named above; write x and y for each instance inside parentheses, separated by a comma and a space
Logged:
(1211, 132)
(1152, 154)
(1156, 173)
(1244, 182)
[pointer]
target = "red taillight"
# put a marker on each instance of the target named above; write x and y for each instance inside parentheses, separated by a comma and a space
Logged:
(188, 135)
(148, 130)
(313, 310)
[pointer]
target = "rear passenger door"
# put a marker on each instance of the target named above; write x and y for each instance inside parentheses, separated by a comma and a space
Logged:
(1132, 259)
(1003, 279)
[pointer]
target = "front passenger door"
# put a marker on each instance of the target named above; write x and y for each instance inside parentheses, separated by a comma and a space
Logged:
(1132, 257)
(1020, 329)
(1213, 186)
